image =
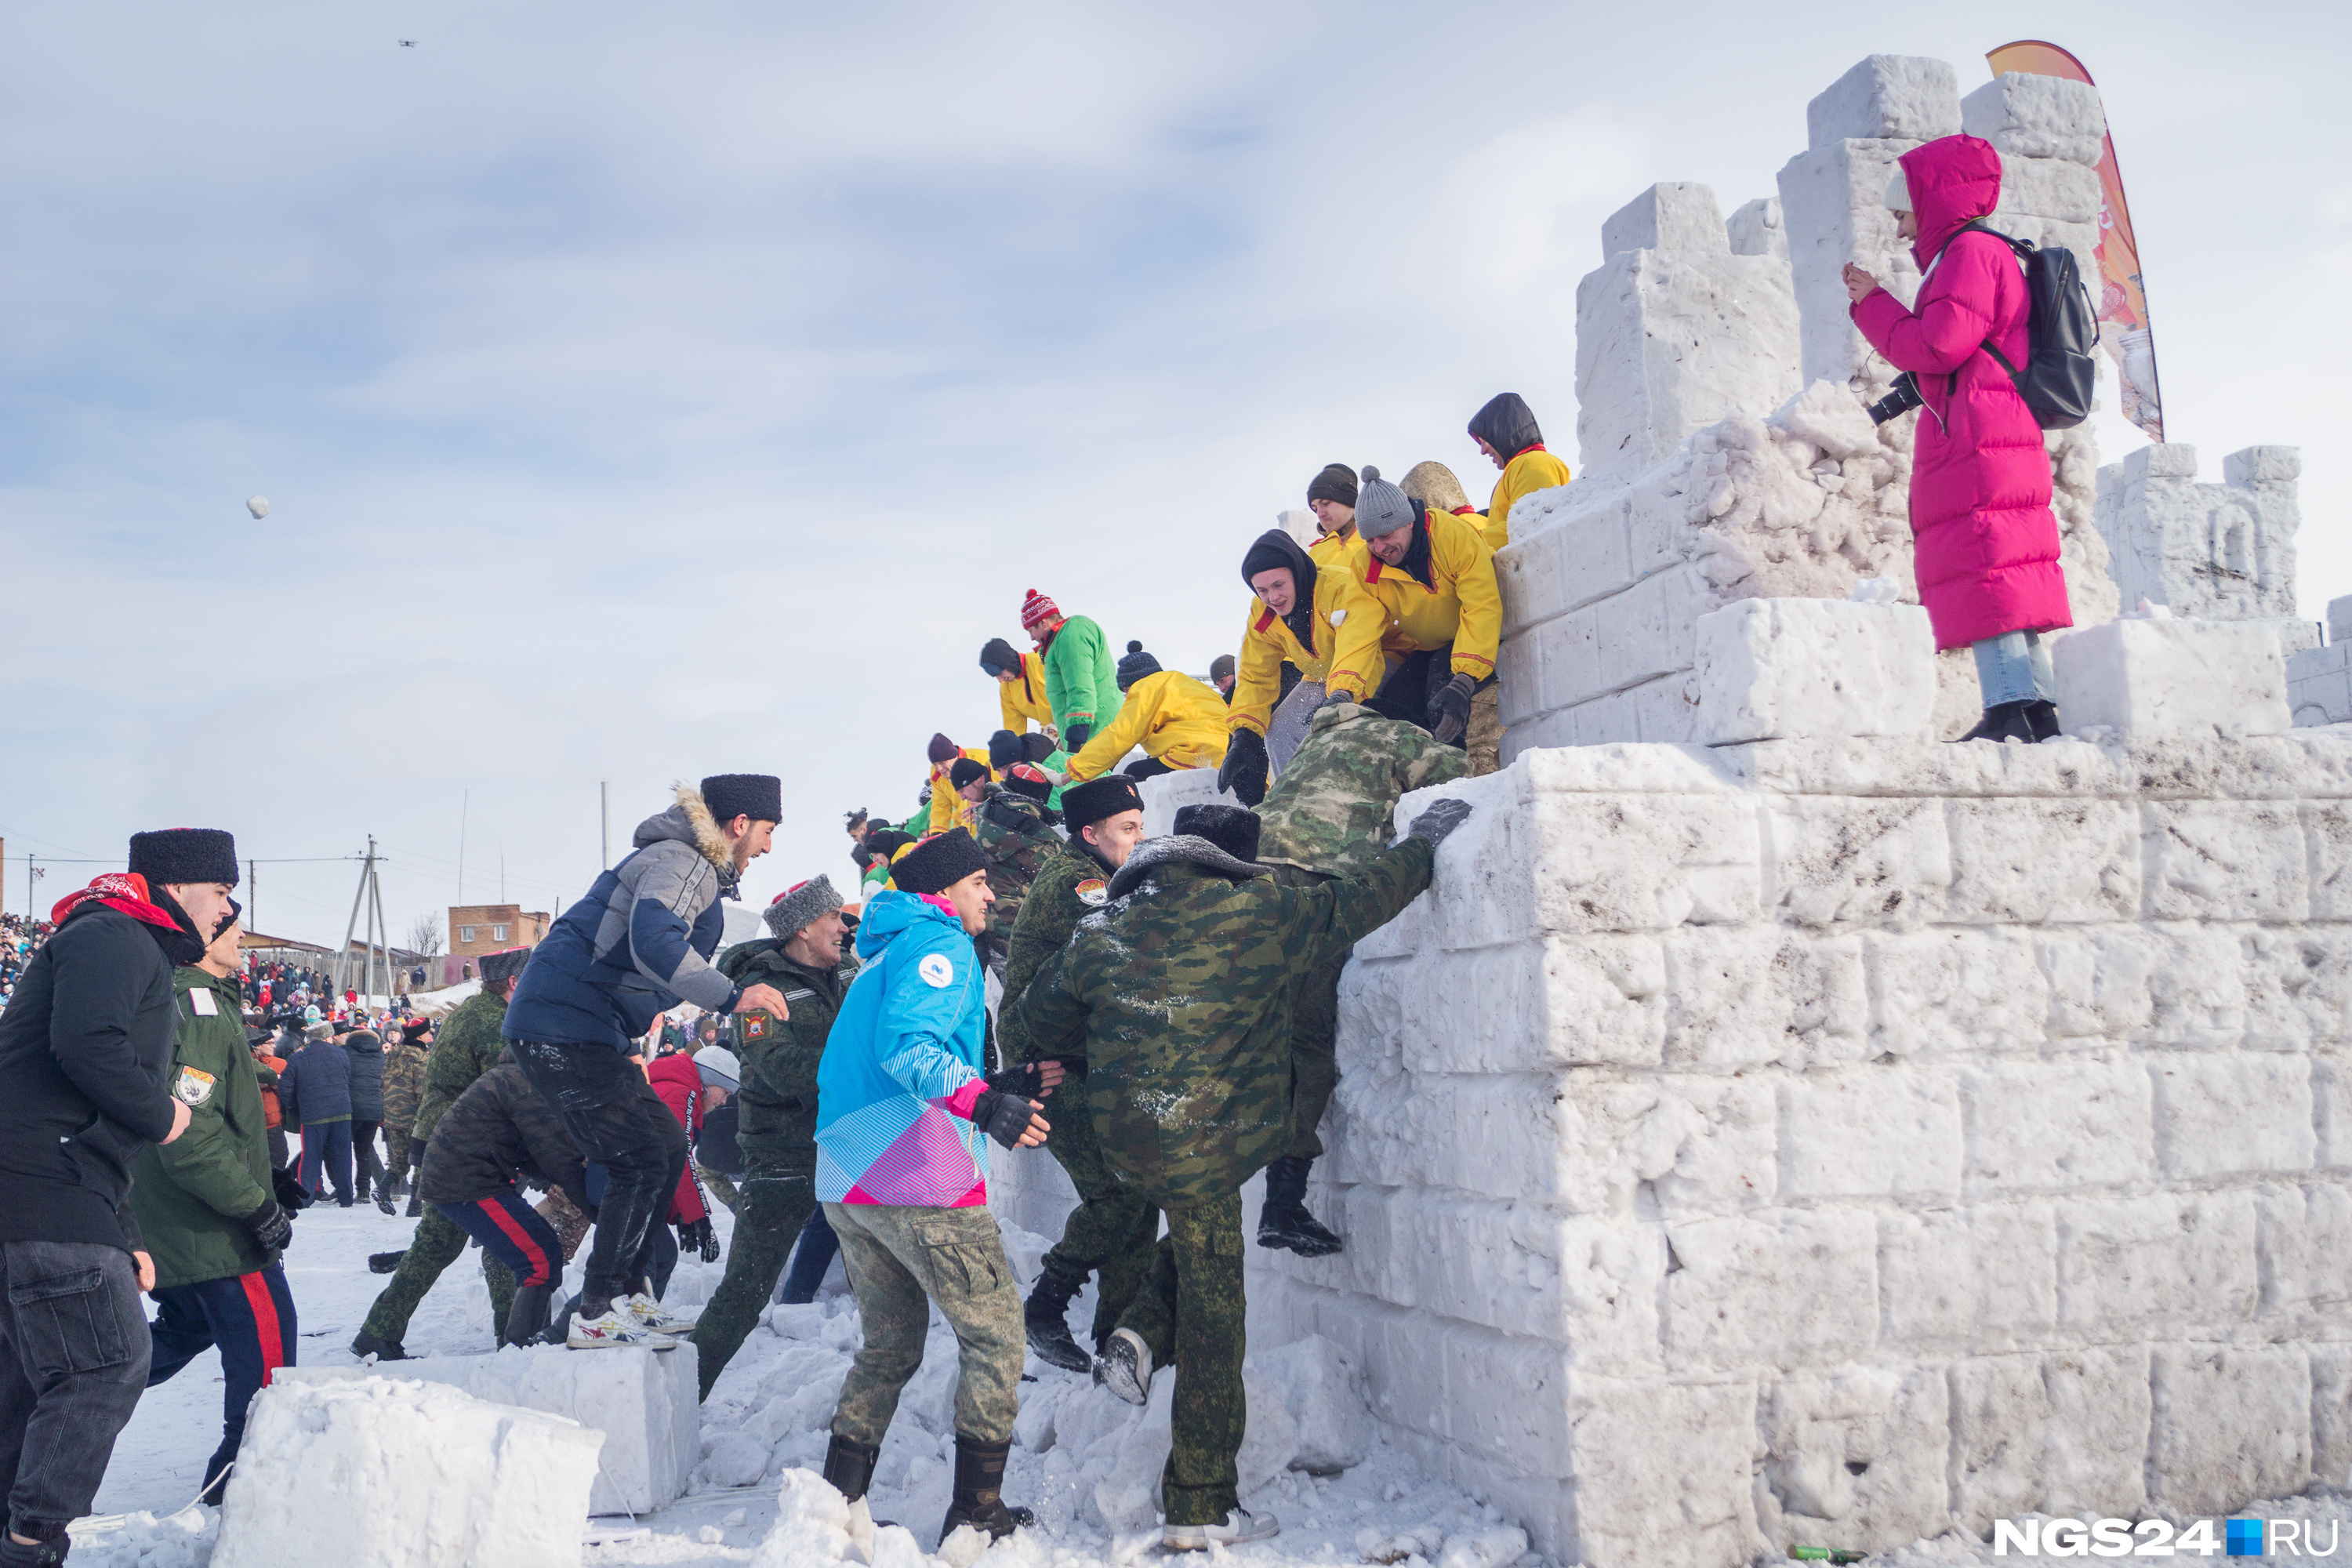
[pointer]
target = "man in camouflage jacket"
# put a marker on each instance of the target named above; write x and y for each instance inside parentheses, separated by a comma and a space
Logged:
(1329, 815)
(1111, 1230)
(775, 1105)
(1009, 827)
(467, 1045)
(403, 1093)
(1178, 992)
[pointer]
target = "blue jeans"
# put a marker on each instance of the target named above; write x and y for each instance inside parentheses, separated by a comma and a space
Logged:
(810, 1259)
(2014, 668)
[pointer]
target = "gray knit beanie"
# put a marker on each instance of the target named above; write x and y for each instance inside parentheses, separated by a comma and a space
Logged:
(1381, 507)
(801, 906)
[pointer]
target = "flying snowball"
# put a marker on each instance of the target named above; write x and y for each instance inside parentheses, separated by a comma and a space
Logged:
(258, 506)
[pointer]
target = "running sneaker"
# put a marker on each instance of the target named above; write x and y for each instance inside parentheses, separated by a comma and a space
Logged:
(618, 1328)
(650, 1313)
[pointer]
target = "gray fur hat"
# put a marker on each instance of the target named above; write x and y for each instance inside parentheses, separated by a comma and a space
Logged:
(800, 906)
(1381, 507)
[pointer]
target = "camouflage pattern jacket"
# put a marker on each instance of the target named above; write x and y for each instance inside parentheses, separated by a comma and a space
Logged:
(1072, 885)
(776, 1114)
(1013, 833)
(1331, 809)
(1178, 993)
(467, 1045)
(404, 1087)
(500, 1129)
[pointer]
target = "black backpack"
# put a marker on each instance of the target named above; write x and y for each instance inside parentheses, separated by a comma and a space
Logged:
(2061, 372)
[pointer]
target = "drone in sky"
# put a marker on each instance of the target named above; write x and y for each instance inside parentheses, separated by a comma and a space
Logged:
(407, 43)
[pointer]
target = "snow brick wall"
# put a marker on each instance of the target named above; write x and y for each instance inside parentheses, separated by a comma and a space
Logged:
(1838, 1141)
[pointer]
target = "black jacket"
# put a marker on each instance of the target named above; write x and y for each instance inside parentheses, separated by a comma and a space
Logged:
(366, 1081)
(84, 1049)
(502, 1128)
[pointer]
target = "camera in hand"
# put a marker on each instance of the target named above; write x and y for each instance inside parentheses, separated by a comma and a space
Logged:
(1901, 398)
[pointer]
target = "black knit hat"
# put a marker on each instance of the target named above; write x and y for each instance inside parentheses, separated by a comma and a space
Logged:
(938, 862)
(965, 772)
(496, 968)
(177, 854)
(1336, 482)
(1005, 749)
(1506, 424)
(888, 842)
(1135, 665)
(1098, 798)
(760, 797)
(997, 658)
(1037, 748)
(1231, 828)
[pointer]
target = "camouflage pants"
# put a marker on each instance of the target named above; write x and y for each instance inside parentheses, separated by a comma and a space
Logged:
(900, 1260)
(1191, 1312)
(437, 1243)
(572, 1226)
(1109, 1233)
(718, 1184)
(1484, 741)
(777, 1195)
(1313, 1038)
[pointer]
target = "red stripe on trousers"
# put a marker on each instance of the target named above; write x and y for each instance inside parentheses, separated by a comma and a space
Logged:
(540, 1273)
(264, 1322)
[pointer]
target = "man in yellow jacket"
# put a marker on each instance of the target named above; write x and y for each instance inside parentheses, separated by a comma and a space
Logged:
(1178, 722)
(1020, 688)
(946, 803)
(1507, 432)
(1434, 578)
(1327, 624)
(1332, 497)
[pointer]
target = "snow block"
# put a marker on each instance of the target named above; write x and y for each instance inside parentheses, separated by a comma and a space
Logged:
(2027, 117)
(647, 1404)
(2064, 1433)
(2229, 1424)
(2224, 553)
(2151, 680)
(2319, 679)
(1887, 95)
(1854, 1458)
(1783, 668)
(395, 1472)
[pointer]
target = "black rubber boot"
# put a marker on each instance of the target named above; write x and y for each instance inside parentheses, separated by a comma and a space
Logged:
(2005, 721)
(979, 1499)
(1284, 1222)
(1047, 1312)
(365, 1344)
(46, 1554)
(527, 1319)
(415, 1205)
(2041, 718)
(849, 1466)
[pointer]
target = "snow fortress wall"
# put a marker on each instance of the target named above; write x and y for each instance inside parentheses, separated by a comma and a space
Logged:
(1837, 1141)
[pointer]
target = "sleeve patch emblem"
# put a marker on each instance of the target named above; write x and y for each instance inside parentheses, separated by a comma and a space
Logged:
(192, 1087)
(1093, 890)
(935, 968)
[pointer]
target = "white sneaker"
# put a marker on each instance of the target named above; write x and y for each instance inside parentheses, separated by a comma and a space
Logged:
(1125, 1366)
(650, 1313)
(1239, 1525)
(618, 1328)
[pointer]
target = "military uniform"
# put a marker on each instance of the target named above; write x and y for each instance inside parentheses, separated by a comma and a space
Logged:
(403, 1093)
(1110, 1231)
(775, 1127)
(1013, 833)
(1329, 815)
(1181, 1004)
(467, 1045)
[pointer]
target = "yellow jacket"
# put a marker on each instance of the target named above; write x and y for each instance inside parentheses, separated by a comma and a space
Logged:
(1533, 469)
(1174, 718)
(1346, 653)
(1460, 605)
(949, 809)
(1023, 700)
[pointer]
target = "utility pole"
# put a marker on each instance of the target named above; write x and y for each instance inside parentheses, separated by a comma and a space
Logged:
(464, 802)
(604, 821)
(362, 895)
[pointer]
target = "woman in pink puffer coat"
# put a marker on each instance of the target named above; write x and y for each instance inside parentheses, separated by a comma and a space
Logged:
(1985, 540)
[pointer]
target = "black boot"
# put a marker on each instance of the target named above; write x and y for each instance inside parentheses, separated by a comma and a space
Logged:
(415, 1205)
(217, 1473)
(1047, 1314)
(979, 1498)
(1284, 1222)
(2041, 718)
(365, 1344)
(46, 1554)
(385, 1262)
(527, 1319)
(849, 1465)
(2006, 722)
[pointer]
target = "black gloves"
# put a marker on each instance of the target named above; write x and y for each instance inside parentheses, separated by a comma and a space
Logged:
(697, 1235)
(1003, 1117)
(271, 1226)
(1438, 821)
(1022, 1078)
(288, 1188)
(1243, 773)
(1450, 710)
(1075, 737)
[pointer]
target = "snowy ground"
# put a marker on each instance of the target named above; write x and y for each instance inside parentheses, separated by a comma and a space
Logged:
(1086, 1462)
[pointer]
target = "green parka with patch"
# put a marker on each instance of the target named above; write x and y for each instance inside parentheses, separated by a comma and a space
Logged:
(776, 1106)
(192, 1196)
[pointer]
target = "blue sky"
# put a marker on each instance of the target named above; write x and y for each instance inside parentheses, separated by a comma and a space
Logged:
(639, 396)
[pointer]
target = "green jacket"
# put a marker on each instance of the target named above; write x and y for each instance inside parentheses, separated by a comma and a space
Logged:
(1014, 836)
(467, 1045)
(191, 1197)
(1049, 913)
(776, 1106)
(404, 1087)
(1081, 677)
(1330, 810)
(1178, 993)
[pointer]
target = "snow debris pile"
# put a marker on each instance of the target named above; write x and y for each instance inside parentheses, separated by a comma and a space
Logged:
(389, 1472)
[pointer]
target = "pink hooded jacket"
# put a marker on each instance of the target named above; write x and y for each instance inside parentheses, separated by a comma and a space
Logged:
(1985, 540)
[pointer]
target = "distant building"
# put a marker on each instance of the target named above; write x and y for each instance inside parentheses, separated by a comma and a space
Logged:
(478, 929)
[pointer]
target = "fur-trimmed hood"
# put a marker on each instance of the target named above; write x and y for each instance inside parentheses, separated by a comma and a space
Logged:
(1179, 848)
(690, 822)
